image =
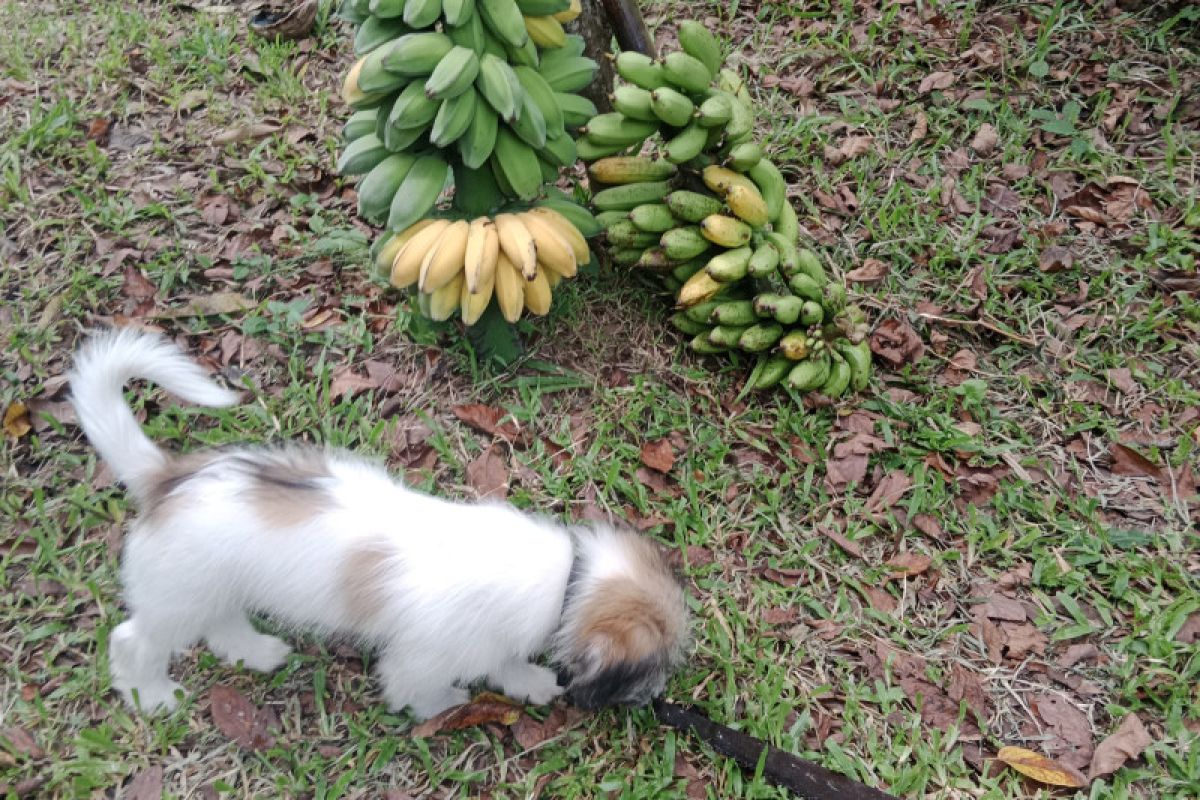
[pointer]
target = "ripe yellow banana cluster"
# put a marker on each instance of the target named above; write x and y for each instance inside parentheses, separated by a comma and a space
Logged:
(459, 265)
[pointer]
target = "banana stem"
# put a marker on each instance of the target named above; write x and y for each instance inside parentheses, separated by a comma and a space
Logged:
(629, 26)
(494, 339)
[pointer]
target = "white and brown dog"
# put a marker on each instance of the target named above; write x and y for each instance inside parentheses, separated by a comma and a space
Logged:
(449, 593)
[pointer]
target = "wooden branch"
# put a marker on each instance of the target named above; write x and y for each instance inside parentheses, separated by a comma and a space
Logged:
(802, 778)
(629, 26)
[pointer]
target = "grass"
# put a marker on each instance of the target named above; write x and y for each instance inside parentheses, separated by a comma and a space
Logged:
(1111, 558)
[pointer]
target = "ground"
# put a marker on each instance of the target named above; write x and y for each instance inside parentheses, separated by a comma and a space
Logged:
(995, 545)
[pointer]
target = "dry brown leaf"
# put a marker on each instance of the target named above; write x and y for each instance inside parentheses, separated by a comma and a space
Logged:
(908, 564)
(488, 474)
(241, 133)
(1126, 742)
(897, 343)
(136, 287)
(346, 382)
(1189, 632)
(240, 720)
(98, 130)
(985, 140)
(871, 271)
(147, 784)
(658, 455)
(780, 616)
(16, 420)
(1078, 652)
(487, 419)
(888, 492)
(846, 544)
(929, 525)
(936, 81)
(1122, 378)
(879, 599)
(529, 733)
(21, 741)
(1055, 259)
(484, 709)
(920, 127)
(1127, 461)
(1041, 769)
(207, 305)
(855, 146)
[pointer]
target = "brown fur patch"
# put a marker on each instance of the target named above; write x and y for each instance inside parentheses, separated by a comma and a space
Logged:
(160, 490)
(364, 578)
(285, 488)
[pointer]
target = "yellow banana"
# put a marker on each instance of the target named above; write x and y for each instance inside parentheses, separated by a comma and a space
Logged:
(474, 303)
(568, 231)
(546, 32)
(483, 246)
(406, 267)
(387, 255)
(553, 251)
(719, 179)
(725, 231)
(444, 302)
(747, 204)
(553, 278)
(445, 260)
(571, 13)
(537, 294)
(699, 287)
(351, 94)
(517, 243)
(510, 289)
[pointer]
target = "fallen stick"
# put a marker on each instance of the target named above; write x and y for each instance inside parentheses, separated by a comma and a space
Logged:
(802, 778)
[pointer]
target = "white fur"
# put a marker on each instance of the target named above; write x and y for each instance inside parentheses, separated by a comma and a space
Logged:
(469, 592)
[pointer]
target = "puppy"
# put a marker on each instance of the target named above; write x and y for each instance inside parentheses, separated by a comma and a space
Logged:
(449, 593)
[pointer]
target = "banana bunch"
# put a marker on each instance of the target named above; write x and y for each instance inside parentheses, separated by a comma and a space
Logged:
(466, 102)
(457, 264)
(703, 208)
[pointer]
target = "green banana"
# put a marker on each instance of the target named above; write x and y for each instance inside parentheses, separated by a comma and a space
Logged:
(687, 144)
(804, 286)
(704, 345)
(505, 20)
(729, 266)
(810, 373)
(376, 31)
(360, 124)
(716, 111)
(576, 109)
(554, 60)
(630, 196)
(574, 74)
(686, 72)
(470, 34)
(374, 77)
(413, 108)
(634, 102)
(774, 369)
(607, 219)
(771, 186)
(499, 86)
(386, 9)
(726, 335)
(526, 55)
(630, 169)
(530, 125)
(626, 256)
(858, 356)
(640, 70)
(590, 150)
(453, 118)
(745, 156)
(535, 86)
(810, 264)
(560, 151)
(733, 83)
(415, 54)
(519, 164)
(702, 312)
(379, 186)
(458, 12)
(617, 129)
(786, 224)
(360, 156)
(626, 234)
(684, 324)
(760, 337)
(672, 107)
(684, 244)
(476, 145)
(453, 75)
(788, 256)
(476, 191)
(811, 313)
(421, 13)
(541, 8)
(652, 218)
(764, 262)
(833, 298)
(701, 44)
(839, 376)
(418, 192)
(783, 308)
(735, 312)
(686, 270)
(741, 122)
(692, 206)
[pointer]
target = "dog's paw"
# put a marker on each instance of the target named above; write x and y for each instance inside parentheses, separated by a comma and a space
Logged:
(532, 683)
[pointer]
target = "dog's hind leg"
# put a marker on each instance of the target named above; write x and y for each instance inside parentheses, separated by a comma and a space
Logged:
(234, 639)
(419, 684)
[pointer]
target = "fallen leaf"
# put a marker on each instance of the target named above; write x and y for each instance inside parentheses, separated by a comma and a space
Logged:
(1004, 608)
(936, 81)
(658, 455)
(210, 304)
(1127, 461)
(1055, 259)
(147, 784)
(985, 140)
(215, 210)
(487, 419)
(484, 709)
(653, 479)
(98, 130)
(1189, 632)
(888, 492)
(1126, 742)
(1072, 744)
(1081, 652)
(879, 599)
(16, 420)
(488, 474)
(529, 733)
(783, 576)
(897, 343)
(240, 720)
(908, 564)
(135, 286)
(346, 382)
(1122, 378)
(920, 127)
(1040, 768)
(780, 616)
(22, 741)
(241, 133)
(871, 271)
(846, 544)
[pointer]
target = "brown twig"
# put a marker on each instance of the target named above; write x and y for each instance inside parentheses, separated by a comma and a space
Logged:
(802, 778)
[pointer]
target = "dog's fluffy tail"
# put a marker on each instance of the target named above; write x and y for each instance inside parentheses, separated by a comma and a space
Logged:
(102, 368)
